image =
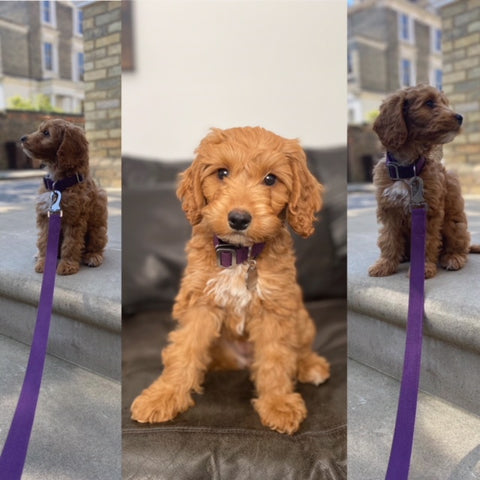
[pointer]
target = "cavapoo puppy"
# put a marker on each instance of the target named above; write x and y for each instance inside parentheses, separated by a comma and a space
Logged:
(62, 148)
(239, 303)
(413, 124)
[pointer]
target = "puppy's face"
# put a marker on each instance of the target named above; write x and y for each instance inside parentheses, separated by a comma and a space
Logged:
(58, 145)
(416, 115)
(44, 143)
(246, 182)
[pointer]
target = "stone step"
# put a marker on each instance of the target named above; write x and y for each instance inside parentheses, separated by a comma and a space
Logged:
(446, 441)
(76, 432)
(86, 321)
(377, 312)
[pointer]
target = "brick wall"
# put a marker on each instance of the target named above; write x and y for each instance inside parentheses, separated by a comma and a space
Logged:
(102, 47)
(461, 67)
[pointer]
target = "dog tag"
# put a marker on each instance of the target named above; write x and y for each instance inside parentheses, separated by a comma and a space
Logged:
(252, 275)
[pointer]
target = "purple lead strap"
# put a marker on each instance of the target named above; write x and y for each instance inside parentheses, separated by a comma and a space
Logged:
(15, 449)
(401, 451)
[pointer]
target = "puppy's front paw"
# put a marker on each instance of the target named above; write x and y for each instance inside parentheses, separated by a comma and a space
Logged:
(93, 259)
(40, 265)
(159, 404)
(313, 369)
(430, 269)
(382, 268)
(453, 261)
(283, 413)
(67, 267)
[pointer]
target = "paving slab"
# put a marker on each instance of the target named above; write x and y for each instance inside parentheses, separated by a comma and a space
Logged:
(446, 442)
(76, 433)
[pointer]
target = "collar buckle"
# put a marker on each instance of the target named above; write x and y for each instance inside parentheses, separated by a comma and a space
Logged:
(394, 171)
(226, 255)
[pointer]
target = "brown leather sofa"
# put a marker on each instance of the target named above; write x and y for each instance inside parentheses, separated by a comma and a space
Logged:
(221, 437)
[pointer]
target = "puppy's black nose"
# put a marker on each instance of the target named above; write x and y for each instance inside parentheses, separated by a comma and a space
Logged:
(239, 219)
(459, 118)
(23, 139)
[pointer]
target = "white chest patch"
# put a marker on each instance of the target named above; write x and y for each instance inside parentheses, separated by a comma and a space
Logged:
(229, 289)
(398, 194)
(44, 202)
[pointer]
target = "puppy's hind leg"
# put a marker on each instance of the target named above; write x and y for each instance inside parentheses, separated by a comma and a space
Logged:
(456, 238)
(312, 368)
(96, 236)
(185, 361)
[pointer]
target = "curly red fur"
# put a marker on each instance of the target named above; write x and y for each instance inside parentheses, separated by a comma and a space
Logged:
(415, 122)
(222, 322)
(62, 147)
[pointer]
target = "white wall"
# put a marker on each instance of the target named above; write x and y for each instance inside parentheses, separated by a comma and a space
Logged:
(224, 63)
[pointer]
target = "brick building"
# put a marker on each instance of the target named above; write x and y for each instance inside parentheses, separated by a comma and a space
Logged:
(461, 65)
(102, 24)
(391, 44)
(41, 52)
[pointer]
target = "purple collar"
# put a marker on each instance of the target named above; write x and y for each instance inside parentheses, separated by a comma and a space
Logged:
(229, 255)
(62, 184)
(402, 172)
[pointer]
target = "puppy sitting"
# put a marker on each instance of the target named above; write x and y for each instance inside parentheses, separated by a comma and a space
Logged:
(63, 149)
(239, 303)
(412, 125)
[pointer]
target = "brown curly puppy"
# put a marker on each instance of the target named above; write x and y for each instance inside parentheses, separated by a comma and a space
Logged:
(239, 303)
(63, 149)
(412, 126)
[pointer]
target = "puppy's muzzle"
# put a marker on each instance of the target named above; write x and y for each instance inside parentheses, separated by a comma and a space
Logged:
(239, 220)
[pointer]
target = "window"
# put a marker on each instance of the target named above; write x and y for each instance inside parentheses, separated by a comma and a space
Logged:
(436, 40)
(438, 78)
(80, 66)
(80, 22)
(405, 27)
(48, 56)
(77, 21)
(48, 12)
(406, 73)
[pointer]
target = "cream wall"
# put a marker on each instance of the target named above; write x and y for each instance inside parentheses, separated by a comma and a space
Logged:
(225, 63)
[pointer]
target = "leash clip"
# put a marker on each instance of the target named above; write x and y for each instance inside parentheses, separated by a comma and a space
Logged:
(417, 199)
(416, 186)
(55, 198)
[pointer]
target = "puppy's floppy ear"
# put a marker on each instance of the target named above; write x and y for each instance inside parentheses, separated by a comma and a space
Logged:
(72, 154)
(390, 124)
(306, 193)
(189, 191)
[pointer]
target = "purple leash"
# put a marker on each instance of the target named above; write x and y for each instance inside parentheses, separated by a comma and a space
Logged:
(15, 449)
(401, 451)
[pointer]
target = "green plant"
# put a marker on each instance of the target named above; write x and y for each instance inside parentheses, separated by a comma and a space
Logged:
(41, 103)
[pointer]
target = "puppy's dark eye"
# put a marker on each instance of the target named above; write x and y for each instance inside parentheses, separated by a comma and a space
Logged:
(222, 173)
(430, 103)
(270, 179)
(46, 133)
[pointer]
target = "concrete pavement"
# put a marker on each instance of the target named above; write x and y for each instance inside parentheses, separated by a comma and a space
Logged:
(76, 434)
(448, 423)
(87, 306)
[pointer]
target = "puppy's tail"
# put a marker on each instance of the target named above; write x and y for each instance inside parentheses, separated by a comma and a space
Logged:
(474, 249)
